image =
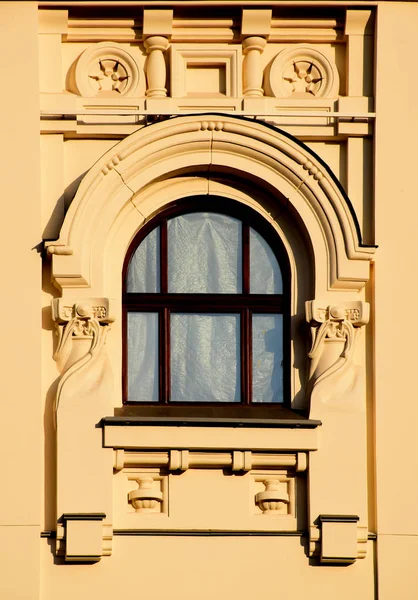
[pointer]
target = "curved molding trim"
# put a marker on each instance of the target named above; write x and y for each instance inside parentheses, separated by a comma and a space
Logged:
(253, 153)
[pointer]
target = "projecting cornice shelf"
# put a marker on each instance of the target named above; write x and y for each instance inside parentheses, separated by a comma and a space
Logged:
(142, 433)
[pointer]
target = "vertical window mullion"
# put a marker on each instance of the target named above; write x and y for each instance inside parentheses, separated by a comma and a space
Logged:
(167, 355)
(245, 319)
(250, 355)
(245, 356)
(164, 355)
(163, 257)
(245, 258)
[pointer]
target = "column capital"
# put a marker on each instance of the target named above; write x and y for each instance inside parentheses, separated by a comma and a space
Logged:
(156, 42)
(254, 43)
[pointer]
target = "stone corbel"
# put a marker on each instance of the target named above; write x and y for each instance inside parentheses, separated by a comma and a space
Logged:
(84, 394)
(82, 537)
(338, 539)
(334, 330)
(255, 29)
(80, 322)
(157, 31)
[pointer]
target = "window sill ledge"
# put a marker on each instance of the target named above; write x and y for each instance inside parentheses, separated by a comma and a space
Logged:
(292, 433)
(218, 415)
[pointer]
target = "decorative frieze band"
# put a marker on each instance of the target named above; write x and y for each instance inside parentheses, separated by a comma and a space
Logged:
(236, 460)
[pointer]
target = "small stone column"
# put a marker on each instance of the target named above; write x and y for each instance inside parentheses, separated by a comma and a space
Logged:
(157, 31)
(253, 74)
(255, 30)
(156, 71)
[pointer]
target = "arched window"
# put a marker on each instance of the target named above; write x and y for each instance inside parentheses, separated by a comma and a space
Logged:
(205, 308)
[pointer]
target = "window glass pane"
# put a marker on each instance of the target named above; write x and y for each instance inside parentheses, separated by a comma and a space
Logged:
(144, 268)
(267, 358)
(142, 357)
(265, 274)
(204, 254)
(205, 358)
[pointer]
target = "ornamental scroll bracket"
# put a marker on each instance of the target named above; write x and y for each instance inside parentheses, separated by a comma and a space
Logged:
(335, 330)
(84, 320)
(83, 396)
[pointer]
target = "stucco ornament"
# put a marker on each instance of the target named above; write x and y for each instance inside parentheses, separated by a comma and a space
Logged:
(84, 394)
(107, 69)
(273, 498)
(302, 71)
(335, 330)
(82, 321)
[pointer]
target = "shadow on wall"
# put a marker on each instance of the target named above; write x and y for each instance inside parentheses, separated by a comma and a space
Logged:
(53, 227)
(48, 420)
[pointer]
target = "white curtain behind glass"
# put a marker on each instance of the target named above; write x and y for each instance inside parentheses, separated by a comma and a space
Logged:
(204, 254)
(267, 358)
(205, 357)
(144, 269)
(143, 357)
(265, 274)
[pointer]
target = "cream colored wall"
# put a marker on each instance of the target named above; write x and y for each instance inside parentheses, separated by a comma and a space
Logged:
(396, 409)
(39, 179)
(185, 567)
(21, 437)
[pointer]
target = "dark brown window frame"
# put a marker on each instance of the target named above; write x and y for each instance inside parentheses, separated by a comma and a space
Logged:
(244, 304)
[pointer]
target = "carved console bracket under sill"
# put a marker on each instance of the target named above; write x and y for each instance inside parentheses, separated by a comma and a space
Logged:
(338, 539)
(82, 537)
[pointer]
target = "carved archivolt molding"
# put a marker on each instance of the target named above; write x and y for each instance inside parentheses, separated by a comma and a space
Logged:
(251, 153)
(302, 71)
(107, 69)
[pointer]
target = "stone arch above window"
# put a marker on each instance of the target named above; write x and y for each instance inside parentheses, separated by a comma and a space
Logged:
(127, 180)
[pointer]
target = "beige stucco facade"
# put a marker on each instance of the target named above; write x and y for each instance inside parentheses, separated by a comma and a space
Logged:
(303, 112)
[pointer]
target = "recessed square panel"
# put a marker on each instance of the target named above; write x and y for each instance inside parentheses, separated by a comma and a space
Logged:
(205, 71)
(205, 80)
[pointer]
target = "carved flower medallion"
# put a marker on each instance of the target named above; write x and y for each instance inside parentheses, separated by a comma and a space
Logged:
(107, 69)
(301, 78)
(110, 76)
(302, 72)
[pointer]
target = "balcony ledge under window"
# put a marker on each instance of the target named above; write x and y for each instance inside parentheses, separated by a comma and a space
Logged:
(166, 427)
